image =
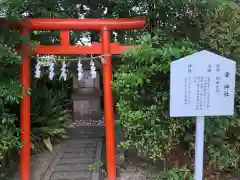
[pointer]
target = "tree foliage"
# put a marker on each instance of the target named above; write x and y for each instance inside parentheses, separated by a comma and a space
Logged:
(175, 29)
(142, 82)
(221, 35)
(9, 92)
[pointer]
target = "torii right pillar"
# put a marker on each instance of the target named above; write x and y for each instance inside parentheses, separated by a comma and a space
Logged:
(108, 102)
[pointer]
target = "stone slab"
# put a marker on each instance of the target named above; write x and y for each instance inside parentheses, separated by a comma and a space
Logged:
(78, 155)
(71, 175)
(84, 141)
(79, 149)
(76, 160)
(76, 144)
(96, 174)
(86, 132)
(71, 167)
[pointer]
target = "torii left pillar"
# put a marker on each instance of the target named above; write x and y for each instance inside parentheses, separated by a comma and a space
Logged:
(25, 110)
(105, 26)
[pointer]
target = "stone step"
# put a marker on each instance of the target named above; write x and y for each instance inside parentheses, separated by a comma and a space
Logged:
(79, 149)
(78, 155)
(85, 160)
(71, 167)
(71, 175)
(86, 132)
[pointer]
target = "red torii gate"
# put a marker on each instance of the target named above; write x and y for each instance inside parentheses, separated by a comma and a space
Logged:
(105, 26)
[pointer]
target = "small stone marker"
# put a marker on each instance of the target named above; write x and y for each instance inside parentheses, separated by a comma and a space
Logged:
(202, 84)
(87, 81)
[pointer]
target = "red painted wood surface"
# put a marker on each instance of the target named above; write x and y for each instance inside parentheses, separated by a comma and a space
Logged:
(108, 105)
(96, 48)
(25, 112)
(78, 24)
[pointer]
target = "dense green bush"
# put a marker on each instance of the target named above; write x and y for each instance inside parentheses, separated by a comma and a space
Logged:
(142, 86)
(222, 35)
(9, 139)
(48, 117)
(44, 124)
(222, 31)
(176, 174)
(9, 95)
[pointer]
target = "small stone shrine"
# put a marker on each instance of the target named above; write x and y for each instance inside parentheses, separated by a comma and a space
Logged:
(86, 95)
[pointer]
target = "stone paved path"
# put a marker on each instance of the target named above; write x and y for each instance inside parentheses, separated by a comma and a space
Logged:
(72, 163)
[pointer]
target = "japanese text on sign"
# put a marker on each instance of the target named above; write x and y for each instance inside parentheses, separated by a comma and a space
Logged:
(202, 85)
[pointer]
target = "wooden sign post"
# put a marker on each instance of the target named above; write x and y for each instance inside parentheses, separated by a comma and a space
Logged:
(202, 84)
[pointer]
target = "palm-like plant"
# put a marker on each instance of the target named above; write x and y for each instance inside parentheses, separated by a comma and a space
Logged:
(48, 117)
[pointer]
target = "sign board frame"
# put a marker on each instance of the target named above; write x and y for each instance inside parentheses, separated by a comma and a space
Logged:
(202, 84)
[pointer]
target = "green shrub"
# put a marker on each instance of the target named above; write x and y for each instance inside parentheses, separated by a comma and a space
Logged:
(176, 174)
(222, 35)
(9, 96)
(4, 176)
(9, 137)
(142, 86)
(222, 31)
(48, 117)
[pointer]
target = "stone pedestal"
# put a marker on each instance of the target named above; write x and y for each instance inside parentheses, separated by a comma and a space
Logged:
(86, 97)
(86, 105)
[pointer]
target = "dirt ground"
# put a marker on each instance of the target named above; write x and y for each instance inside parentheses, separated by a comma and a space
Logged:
(135, 168)
(133, 172)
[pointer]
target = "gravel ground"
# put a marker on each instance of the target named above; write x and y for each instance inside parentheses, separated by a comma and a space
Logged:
(88, 122)
(136, 170)
(91, 122)
(132, 172)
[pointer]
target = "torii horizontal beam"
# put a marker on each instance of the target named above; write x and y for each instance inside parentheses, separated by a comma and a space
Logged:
(77, 24)
(95, 48)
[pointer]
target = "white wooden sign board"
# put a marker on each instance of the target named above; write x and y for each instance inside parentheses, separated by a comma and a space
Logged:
(202, 84)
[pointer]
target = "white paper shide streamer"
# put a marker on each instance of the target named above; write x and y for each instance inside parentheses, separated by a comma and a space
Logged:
(38, 70)
(51, 71)
(64, 71)
(93, 70)
(50, 60)
(80, 70)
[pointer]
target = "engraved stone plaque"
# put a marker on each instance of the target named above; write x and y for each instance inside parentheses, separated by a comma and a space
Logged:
(85, 109)
(87, 81)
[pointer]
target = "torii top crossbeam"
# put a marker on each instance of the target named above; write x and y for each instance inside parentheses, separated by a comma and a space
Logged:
(79, 24)
(105, 26)
(65, 25)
